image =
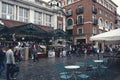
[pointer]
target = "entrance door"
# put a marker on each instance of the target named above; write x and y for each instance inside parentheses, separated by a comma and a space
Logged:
(81, 41)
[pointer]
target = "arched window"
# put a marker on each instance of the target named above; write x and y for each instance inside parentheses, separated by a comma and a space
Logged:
(111, 26)
(101, 22)
(106, 24)
(69, 22)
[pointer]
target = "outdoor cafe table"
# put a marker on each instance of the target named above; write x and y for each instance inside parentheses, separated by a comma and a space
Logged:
(98, 64)
(72, 67)
(98, 61)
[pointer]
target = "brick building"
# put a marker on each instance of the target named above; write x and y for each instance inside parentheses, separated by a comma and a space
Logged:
(88, 17)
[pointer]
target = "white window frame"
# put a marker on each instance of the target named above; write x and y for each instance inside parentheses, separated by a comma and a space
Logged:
(82, 19)
(38, 17)
(78, 31)
(24, 17)
(94, 30)
(9, 11)
(47, 22)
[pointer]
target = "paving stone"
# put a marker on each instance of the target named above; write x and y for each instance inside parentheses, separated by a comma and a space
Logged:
(45, 69)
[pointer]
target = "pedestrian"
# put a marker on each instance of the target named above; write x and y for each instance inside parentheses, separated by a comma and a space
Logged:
(10, 63)
(35, 55)
(2, 60)
(17, 56)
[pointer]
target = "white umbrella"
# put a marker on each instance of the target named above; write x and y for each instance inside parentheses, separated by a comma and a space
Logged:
(112, 35)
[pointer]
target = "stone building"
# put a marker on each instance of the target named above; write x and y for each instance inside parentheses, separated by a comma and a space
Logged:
(17, 12)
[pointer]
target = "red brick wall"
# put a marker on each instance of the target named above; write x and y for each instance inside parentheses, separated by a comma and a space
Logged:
(87, 15)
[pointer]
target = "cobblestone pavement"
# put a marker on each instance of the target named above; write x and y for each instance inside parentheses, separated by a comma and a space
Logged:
(44, 69)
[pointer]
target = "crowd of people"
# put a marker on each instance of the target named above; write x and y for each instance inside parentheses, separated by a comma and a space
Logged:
(9, 55)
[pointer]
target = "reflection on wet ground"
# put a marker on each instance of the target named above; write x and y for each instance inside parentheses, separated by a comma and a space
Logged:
(44, 69)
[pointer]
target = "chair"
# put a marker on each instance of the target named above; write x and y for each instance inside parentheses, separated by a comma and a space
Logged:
(104, 66)
(90, 66)
(79, 74)
(63, 74)
(83, 76)
(81, 64)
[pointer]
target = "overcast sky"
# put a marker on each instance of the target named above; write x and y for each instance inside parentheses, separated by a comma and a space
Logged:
(115, 1)
(118, 3)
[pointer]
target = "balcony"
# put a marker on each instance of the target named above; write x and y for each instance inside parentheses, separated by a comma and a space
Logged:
(79, 10)
(68, 14)
(94, 10)
(95, 22)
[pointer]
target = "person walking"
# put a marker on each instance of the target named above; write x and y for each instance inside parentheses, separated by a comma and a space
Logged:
(2, 60)
(10, 63)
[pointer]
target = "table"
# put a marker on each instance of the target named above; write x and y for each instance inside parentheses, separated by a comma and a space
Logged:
(98, 61)
(98, 65)
(73, 67)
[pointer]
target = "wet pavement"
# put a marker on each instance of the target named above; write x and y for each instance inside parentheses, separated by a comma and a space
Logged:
(44, 69)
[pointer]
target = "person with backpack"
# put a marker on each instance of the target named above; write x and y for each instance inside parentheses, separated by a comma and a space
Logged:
(2, 60)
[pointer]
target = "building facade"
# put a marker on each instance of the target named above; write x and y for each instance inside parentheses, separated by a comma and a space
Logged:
(88, 17)
(118, 21)
(30, 11)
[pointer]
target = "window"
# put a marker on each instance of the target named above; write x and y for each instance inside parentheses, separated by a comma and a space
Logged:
(80, 20)
(93, 18)
(100, 22)
(106, 24)
(79, 9)
(94, 9)
(111, 25)
(94, 30)
(69, 1)
(69, 22)
(80, 31)
(38, 17)
(47, 19)
(7, 11)
(23, 14)
(69, 12)
(60, 25)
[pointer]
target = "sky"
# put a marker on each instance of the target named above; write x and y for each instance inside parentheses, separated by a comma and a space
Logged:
(115, 1)
(118, 3)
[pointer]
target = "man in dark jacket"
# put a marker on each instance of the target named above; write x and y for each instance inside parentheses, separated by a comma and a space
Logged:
(2, 60)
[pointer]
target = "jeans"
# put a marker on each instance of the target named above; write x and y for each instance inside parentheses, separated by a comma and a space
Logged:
(9, 73)
(2, 66)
